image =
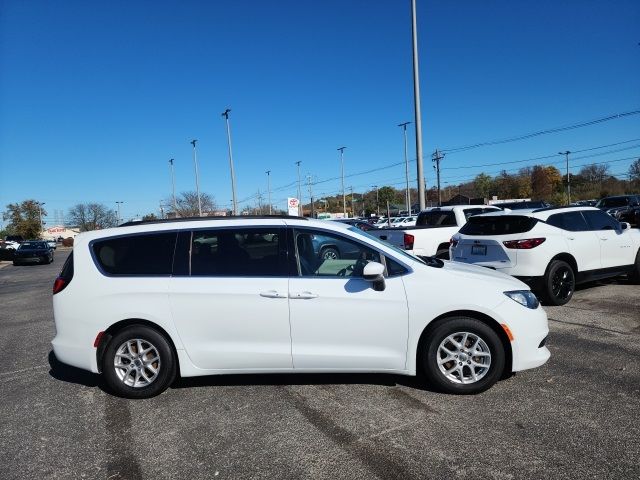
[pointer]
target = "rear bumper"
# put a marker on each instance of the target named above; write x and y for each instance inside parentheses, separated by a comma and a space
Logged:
(73, 354)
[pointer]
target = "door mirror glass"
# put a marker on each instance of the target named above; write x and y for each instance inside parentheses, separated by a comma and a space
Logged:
(374, 273)
(624, 226)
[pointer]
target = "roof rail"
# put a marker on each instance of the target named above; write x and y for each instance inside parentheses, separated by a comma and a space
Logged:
(198, 219)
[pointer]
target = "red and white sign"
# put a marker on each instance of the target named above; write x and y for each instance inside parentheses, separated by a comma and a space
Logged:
(294, 205)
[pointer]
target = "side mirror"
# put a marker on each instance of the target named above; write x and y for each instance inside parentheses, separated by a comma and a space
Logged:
(624, 226)
(374, 272)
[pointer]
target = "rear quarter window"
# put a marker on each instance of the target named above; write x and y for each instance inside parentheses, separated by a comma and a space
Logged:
(435, 218)
(498, 225)
(144, 254)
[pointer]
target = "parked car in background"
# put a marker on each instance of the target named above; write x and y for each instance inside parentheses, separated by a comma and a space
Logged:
(12, 242)
(621, 206)
(361, 224)
(33, 251)
(161, 306)
(551, 249)
(433, 230)
(52, 244)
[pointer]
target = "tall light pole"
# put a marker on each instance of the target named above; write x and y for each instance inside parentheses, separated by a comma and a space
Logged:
(119, 217)
(406, 166)
(195, 163)
(566, 156)
(377, 199)
(268, 172)
(40, 204)
(344, 197)
(416, 102)
(300, 213)
(225, 114)
(173, 187)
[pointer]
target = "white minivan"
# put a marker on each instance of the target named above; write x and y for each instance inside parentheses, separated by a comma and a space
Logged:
(145, 302)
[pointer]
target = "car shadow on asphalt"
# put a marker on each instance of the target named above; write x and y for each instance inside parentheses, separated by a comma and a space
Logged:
(69, 374)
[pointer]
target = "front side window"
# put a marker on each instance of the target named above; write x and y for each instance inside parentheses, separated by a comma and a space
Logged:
(323, 254)
(601, 221)
(147, 254)
(243, 252)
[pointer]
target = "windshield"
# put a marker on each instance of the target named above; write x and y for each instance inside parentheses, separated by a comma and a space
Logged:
(31, 245)
(613, 202)
(388, 245)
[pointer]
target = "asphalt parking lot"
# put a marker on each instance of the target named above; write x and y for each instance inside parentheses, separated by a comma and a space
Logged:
(576, 417)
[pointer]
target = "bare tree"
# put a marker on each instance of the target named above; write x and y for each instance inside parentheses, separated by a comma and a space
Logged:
(187, 204)
(92, 216)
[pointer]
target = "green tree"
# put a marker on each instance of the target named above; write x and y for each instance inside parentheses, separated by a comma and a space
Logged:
(92, 216)
(24, 218)
(634, 172)
(483, 185)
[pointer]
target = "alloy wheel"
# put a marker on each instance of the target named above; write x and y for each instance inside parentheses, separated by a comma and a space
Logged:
(137, 363)
(464, 357)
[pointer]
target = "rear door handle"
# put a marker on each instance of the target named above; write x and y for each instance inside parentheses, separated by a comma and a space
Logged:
(272, 294)
(302, 295)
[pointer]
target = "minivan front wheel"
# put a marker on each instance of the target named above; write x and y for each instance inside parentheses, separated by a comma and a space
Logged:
(463, 356)
(138, 363)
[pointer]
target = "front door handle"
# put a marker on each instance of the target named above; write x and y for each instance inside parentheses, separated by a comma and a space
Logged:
(302, 295)
(272, 294)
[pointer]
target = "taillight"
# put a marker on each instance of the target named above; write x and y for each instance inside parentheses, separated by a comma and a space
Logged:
(408, 241)
(524, 244)
(59, 284)
(453, 242)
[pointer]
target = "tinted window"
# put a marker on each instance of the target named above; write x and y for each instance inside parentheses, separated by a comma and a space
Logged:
(571, 221)
(394, 268)
(67, 269)
(477, 211)
(436, 218)
(498, 225)
(328, 255)
(149, 254)
(246, 252)
(613, 202)
(32, 245)
(601, 221)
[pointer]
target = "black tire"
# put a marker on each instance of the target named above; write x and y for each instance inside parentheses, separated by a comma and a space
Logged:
(634, 276)
(166, 364)
(559, 283)
(431, 356)
(16, 263)
(329, 253)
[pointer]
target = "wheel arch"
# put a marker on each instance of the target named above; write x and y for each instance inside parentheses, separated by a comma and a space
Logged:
(484, 318)
(565, 257)
(116, 327)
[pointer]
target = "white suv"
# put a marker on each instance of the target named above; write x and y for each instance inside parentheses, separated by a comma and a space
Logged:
(143, 303)
(551, 249)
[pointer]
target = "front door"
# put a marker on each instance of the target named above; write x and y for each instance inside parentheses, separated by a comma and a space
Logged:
(338, 321)
(615, 244)
(230, 302)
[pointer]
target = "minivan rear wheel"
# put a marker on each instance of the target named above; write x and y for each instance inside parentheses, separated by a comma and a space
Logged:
(463, 356)
(138, 363)
(559, 282)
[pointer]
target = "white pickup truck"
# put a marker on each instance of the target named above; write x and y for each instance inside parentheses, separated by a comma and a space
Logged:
(433, 231)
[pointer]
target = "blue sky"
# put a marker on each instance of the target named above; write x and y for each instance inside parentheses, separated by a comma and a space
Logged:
(95, 97)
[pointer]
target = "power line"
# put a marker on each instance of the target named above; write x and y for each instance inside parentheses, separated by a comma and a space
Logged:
(542, 132)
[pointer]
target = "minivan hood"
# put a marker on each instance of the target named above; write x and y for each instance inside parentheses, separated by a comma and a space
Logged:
(467, 270)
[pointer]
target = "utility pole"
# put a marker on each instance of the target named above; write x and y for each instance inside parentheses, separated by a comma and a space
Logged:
(259, 202)
(40, 204)
(161, 210)
(416, 103)
(566, 156)
(268, 172)
(173, 188)
(310, 193)
(225, 114)
(300, 213)
(406, 166)
(377, 199)
(436, 157)
(195, 163)
(344, 198)
(119, 217)
(353, 203)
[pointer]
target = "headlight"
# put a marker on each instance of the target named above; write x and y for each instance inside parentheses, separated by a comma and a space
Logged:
(526, 298)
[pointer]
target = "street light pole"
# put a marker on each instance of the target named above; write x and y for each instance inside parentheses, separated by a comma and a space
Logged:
(416, 102)
(195, 163)
(173, 188)
(300, 214)
(377, 199)
(225, 114)
(119, 217)
(406, 166)
(268, 172)
(566, 156)
(344, 198)
(40, 204)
